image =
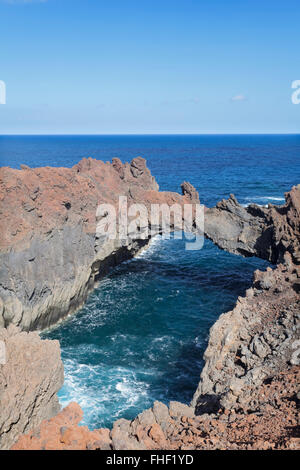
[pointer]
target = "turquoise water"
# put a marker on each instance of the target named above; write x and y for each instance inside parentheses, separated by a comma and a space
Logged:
(142, 333)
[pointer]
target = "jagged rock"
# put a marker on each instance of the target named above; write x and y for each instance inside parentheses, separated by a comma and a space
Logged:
(137, 167)
(30, 377)
(120, 436)
(161, 413)
(146, 418)
(51, 258)
(189, 191)
(259, 347)
(268, 233)
(63, 433)
(273, 427)
(51, 254)
(248, 344)
(117, 164)
(177, 409)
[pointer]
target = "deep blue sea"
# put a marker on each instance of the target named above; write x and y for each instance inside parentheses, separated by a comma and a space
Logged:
(141, 335)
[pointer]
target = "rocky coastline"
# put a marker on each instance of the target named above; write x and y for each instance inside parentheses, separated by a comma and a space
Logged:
(51, 258)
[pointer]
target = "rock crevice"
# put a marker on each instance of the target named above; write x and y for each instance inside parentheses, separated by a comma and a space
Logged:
(51, 253)
(51, 257)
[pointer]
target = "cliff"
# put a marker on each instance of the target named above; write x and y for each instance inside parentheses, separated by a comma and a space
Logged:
(31, 373)
(274, 426)
(51, 258)
(50, 253)
(259, 337)
(247, 398)
(271, 233)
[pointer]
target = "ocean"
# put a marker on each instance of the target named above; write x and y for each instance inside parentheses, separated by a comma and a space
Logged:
(141, 335)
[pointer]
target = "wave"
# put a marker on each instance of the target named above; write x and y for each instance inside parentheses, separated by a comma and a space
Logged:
(248, 204)
(151, 248)
(104, 393)
(262, 201)
(264, 198)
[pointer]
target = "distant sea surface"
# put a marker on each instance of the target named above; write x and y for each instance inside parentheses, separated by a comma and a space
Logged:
(141, 335)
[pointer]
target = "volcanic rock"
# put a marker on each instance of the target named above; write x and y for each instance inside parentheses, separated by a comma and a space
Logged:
(30, 376)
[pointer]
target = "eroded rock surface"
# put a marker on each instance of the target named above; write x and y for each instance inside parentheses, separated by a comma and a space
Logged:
(51, 257)
(31, 373)
(275, 426)
(51, 254)
(251, 343)
(248, 395)
(267, 232)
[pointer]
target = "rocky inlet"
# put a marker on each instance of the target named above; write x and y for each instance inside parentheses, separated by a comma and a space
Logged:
(51, 258)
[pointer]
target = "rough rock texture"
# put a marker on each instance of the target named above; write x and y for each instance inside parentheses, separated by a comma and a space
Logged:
(274, 426)
(248, 395)
(256, 340)
(31, 373)
(51, 254)
(267, 232)
(51, 257)
(63, 433)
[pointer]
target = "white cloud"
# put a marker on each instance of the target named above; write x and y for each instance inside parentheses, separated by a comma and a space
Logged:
(238, 98)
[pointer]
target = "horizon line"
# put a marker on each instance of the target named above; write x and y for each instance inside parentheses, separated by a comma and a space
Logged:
(149, 134)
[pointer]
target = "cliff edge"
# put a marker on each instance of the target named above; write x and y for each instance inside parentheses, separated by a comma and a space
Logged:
(31, 374)
(51, 258)
(51, 255)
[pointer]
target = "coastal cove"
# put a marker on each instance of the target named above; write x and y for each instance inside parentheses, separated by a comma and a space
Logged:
(152, 320)
(149, 229)
(141, 335)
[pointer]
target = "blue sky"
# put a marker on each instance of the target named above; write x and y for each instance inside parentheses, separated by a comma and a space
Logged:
(127, 66)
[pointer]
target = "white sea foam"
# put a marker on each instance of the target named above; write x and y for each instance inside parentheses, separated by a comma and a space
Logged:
(199, 342)
(265, 198)
(96, 388)
(153, 244)
(260, 205)
(131, 389)
(262, 200)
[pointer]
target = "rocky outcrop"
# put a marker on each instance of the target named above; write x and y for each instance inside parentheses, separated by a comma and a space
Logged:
(63, 433)
(248, 396)
(260, 336)
(51, 254)
(51, 257)
(249, 345)
(270, 233)
(31, 373)
(176, 427)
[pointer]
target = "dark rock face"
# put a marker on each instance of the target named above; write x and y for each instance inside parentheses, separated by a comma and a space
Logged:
(177, 427)
(50, 252)
(270, 233)
(252, 343)
(247, 397)
(30, 376)
(51, 258)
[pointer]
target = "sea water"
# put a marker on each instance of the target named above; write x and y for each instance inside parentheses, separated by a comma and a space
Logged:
(141, 335)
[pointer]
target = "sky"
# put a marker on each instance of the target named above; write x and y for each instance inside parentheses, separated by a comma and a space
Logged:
(148, 66)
